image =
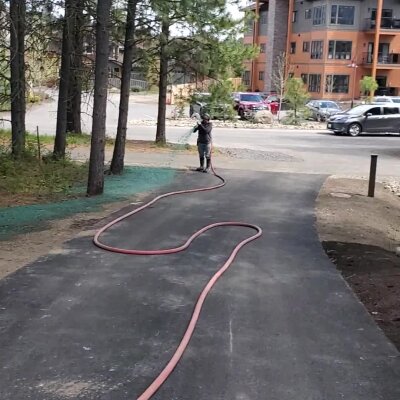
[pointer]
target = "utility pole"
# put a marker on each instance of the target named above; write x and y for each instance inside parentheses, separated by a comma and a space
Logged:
(255, 43)
(354, 66)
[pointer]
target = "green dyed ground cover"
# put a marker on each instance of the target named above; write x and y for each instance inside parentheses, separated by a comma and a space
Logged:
(135, 180)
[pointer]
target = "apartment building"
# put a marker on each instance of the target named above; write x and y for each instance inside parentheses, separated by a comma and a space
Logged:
(330, 45)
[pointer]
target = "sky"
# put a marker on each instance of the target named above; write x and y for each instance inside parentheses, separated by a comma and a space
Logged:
(234, 10)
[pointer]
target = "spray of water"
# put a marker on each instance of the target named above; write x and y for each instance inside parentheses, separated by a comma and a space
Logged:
(181, 144)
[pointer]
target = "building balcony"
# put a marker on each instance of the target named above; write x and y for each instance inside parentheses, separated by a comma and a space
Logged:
(386, 61)
(387, 24)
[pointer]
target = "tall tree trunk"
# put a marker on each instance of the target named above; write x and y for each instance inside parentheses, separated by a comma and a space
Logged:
(17, 54)
(117, 163)
(75, 85)
(65, 76)
(96, 163)
(163, 83)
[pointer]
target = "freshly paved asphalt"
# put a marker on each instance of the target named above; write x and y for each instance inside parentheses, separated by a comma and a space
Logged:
(280, 325)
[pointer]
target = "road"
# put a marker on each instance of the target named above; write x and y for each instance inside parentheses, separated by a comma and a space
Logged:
(283, 150)
(280, 151)
(281, 324)
(44, 115)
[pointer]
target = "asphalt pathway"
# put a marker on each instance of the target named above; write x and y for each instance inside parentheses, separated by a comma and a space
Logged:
(280, 325)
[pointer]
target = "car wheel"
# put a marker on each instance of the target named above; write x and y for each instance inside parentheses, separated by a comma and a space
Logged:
(241, 113)
(354, 129)
(319, 118)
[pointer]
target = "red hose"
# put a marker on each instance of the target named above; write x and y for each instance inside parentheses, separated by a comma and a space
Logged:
(167, 371)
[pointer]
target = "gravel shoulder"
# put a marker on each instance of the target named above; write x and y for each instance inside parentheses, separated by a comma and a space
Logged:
(237, 123)
(360, 235)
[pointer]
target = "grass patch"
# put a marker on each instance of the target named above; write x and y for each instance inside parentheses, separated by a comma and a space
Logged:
(73, 139)
(32, 179)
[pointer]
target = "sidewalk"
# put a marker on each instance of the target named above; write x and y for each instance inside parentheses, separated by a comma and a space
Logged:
(280, 325)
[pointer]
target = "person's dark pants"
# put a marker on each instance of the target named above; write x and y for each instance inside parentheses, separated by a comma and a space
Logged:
(204, 153)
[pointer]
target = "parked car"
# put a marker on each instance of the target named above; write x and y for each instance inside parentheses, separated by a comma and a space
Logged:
(272, 102)
(247, 104)
(369, 118)
(321, 110)
(200, 104)
(386, 99)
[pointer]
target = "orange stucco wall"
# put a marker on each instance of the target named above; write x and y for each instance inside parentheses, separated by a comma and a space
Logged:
(301, 62)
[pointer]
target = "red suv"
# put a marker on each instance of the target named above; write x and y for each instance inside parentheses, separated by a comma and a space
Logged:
(247, 104)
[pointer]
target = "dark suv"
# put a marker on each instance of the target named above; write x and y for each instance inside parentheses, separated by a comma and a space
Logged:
(369, 118)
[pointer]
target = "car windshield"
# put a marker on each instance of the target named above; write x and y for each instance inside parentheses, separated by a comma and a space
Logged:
(255, 98)
(328, 104)
(358, 110)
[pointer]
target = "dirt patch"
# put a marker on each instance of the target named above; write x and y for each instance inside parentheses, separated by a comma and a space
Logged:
(360, 235)
(51, 237)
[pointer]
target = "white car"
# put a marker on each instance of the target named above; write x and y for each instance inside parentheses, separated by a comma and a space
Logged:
(386, 99)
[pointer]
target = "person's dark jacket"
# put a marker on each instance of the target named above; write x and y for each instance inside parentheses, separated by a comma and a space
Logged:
(204, 130)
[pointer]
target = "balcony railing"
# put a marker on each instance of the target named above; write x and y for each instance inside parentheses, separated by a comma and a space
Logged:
(385, 59)
(386, 23)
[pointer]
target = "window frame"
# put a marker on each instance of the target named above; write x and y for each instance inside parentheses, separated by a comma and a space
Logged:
(319, 19)
(335, 16)
(247, 77)
(314, 87)
(317, 50)
(337, 87)
(333, 54)
(306, 46)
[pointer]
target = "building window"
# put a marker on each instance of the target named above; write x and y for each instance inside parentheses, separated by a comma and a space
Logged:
(314, 83)
(306, 47)
(317, 49)
(319, 15)
(337, 84)
(308, 13)
(261, 75)
(263, 48)
(304, 78)
(294, 16)
(342, 15)
(339, 50)
(292, 47)
(249, 27)
(291, 75)
(246, 78)
(263, 18)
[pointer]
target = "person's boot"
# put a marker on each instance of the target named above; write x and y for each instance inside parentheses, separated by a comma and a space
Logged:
(208, 167)
(201, 168)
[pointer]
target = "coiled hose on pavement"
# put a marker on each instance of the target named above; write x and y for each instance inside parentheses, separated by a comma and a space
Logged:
(167, 371)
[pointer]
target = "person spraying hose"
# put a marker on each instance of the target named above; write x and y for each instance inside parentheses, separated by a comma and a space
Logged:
(204, 141)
